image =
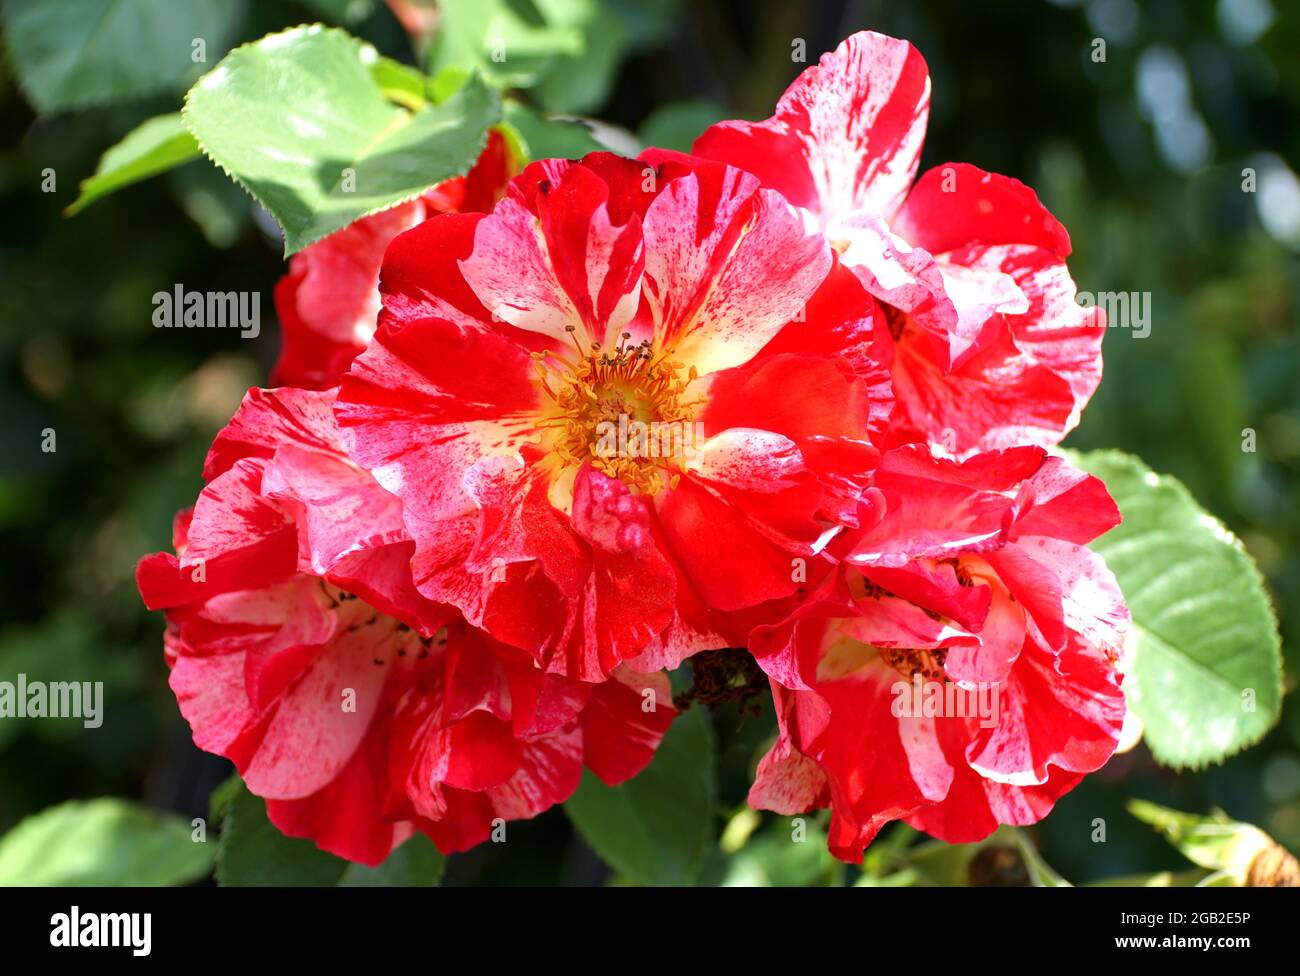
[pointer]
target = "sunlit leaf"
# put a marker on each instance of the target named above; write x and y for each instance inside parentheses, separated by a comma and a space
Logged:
(415, 864)
(1206, 681)
(103, 842)
(76, 53)
(317, 143)
(254, 852)
(655, 828)
(155, 146)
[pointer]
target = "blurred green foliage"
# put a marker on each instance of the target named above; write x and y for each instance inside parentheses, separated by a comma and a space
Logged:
(1143, 156)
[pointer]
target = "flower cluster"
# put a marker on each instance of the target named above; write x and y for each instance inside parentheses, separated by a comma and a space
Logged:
(539, 438)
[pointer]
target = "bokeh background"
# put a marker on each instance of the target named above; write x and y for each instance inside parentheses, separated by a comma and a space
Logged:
(1141, 156)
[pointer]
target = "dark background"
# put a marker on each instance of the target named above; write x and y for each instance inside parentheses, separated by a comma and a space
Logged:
(1141, 157)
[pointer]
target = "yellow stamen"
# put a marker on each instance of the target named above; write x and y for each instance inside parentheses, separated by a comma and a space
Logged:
(631, 393)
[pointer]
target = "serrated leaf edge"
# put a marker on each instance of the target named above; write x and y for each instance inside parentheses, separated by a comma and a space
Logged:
(308, 240)
(1226, 536)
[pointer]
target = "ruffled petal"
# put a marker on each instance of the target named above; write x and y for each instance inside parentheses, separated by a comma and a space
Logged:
(847, 133)
(727, 264)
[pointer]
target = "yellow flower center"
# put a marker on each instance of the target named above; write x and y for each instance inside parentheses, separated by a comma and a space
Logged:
(623, 410)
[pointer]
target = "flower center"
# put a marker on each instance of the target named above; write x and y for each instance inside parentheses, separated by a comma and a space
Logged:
(624, 410)
(718, 677)
(911, 661)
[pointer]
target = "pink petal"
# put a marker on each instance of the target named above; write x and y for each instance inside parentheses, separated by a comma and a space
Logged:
(311, 737)
(726, 266)
(427, 401)
(846, 135)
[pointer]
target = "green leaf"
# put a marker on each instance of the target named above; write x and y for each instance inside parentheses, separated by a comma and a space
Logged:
(400, 83)
(102, 842)
(782, 857)
(654, 828)
(448, 81)
(1207, 677)
(298, 120)
(416, 864)
(1237, 853)
(219, 208)
(581, 82)
(569, 51)
(1204, 840)
(677, 124)
(1006, 858)
(341, 11)
(155, 146)
(889, 851)
(508, 41)
(221, 798)
(1041, 874)
(76, 53)
(538, 137)
(254, 852)
(646, 22)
